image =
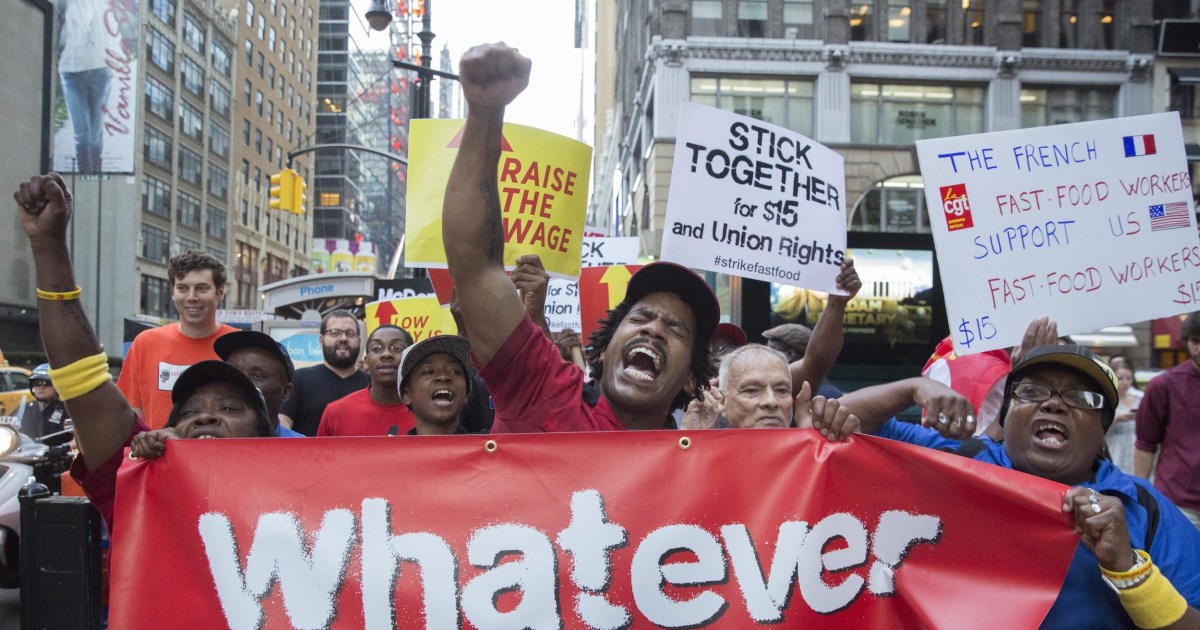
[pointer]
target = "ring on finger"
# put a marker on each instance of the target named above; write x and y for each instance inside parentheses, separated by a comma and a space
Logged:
(958, 421)
(1095, 501)
(970, 419)
(943, 419)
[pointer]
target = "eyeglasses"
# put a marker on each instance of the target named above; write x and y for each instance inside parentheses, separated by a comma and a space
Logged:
(396, 347)
(1078, 398)
(720, 349)
(337, 333)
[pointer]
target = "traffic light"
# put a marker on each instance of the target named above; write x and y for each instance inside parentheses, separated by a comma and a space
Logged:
(283, 194)
(299, 199)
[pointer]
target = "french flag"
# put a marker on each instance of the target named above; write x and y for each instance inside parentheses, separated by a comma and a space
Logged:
(1139, 145)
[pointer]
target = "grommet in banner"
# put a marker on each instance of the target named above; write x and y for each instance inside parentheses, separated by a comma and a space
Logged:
(490, 446)
(685, 442)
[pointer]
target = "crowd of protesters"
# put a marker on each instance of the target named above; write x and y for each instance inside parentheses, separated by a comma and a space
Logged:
(660, 359)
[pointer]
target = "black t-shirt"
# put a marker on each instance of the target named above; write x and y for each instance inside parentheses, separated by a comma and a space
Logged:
(314, 388)
(479, 412)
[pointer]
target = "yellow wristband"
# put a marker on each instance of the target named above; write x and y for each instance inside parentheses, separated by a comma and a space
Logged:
(81, 377)
(60, 297)
(1154, 603)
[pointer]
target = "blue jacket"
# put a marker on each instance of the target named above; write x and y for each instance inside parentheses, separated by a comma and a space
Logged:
(1085, 601)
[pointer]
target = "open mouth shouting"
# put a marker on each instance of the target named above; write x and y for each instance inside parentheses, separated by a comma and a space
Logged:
(443, 397)
(1050, 434)
(642, 363)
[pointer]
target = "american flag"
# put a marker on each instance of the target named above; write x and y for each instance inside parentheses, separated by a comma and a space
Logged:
(1170, 216)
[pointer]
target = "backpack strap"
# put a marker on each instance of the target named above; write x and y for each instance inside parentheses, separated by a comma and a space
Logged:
(1152, 515)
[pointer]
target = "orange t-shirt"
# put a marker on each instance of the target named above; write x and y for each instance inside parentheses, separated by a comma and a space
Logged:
(155, 359)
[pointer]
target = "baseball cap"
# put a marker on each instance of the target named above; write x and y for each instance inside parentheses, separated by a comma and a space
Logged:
(677, 279)
(794, 336)
(453, 345)
(226, 344)
(1077, 358)
(733, 331)
(213, 371)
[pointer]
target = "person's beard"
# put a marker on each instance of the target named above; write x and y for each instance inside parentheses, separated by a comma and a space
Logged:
(337, 361)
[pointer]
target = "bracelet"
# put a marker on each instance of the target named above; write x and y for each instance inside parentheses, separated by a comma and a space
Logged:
(60, 296)
(1134, 575)
(1153, 602)
(81, 377)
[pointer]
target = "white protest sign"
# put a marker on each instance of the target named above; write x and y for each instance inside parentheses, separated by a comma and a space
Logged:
(1089, 223)
(562, 296)
(755, 200)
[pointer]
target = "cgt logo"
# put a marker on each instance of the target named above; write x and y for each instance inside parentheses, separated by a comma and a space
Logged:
(957, 207)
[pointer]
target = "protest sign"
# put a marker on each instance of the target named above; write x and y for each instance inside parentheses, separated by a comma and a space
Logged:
(1091, 224)
(578, 530)
(755, 200)
(600, 289)
(398, 288)
(422, 317)
(543, 187)
(562, 296)
(443, 285)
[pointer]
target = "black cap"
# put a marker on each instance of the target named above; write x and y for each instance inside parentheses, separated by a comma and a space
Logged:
(453, 345)
(691, 288)
(225, 345)
(212, 371)
(1077, 358)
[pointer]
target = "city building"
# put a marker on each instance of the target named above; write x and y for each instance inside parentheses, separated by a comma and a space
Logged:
(26, 94)
(275, 95)
(338, 201)
(866, 78)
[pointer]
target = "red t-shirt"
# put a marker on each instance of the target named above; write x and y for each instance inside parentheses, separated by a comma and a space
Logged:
(100, 483)
(156, 358)
(357, 415)
(535, 390)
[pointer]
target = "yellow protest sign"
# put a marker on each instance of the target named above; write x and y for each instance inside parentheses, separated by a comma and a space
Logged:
(543, 186)
(422, 317)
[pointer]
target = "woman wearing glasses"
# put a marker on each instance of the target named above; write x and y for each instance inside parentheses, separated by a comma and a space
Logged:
(1137, 561)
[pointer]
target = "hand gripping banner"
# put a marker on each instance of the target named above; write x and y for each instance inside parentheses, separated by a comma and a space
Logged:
(708, 529)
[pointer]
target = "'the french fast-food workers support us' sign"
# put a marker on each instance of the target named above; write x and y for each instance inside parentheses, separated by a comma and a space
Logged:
(1091, 224)
(755, 200)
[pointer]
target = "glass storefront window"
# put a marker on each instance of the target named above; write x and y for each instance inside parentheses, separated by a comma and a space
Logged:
(1058, 106)
(893, 205)
(902, 114)
(780, 102)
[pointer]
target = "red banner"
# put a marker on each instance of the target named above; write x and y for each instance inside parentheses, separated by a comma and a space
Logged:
(712, 529)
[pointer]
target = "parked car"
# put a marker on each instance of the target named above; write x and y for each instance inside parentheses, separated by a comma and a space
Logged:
(14, 389)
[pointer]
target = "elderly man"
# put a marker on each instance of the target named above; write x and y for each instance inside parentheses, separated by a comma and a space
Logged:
(1136, 562)
(754, 391)
(212, 399)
